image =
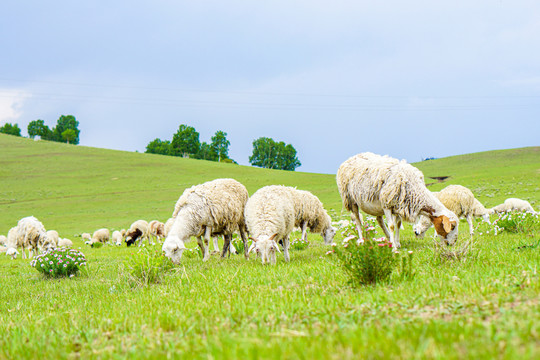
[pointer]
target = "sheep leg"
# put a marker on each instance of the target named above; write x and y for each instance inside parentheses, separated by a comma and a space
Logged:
(226, 244)
(245, 241)
(216, 244)
(304, 231)
(358, 220)
(200, 242)
(394, 228)
(471, 225)
(380, 220)
(286, 249)
(207, 235)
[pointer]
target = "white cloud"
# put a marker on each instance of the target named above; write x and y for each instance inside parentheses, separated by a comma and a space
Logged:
(11, 104)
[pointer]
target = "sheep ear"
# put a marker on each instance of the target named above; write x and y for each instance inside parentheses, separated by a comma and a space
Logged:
(446, 224)
(252, 247)
(272, 237)
(253, 239)
(276, 246)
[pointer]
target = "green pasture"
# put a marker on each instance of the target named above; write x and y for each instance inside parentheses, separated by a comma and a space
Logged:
(483, 306)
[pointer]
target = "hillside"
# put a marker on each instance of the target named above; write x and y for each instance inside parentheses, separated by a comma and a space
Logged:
(76, 189)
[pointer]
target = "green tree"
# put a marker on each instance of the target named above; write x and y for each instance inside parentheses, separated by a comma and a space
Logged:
(220, 145)
(206, 153)
(157, 146)
(64, 123)
(69, 136)
(185, 141)
(38, 128)
(272, 155)
(10, 129)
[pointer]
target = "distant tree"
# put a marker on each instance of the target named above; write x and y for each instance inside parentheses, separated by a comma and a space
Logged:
(69, 136)
(64, 123)
(185, 141)
(272, 155)
(220, 145)
(157, 146)
(10, 129)
(206, 153)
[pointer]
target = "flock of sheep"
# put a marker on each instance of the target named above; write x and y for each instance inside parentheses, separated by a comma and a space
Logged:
(380, 186)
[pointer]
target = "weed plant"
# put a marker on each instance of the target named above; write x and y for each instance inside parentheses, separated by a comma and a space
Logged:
(147, 266)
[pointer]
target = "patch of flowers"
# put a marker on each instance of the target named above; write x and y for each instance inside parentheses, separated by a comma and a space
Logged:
(299, 244)
(513, 222)
(59, 263)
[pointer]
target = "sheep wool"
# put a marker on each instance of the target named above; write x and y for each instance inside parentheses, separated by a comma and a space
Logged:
(310, 213)
(139, 230)
(514, 204)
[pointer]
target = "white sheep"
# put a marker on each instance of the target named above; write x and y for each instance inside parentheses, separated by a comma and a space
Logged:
(460, 201)
(118, 236)
(209, 209)
(65, 243)
(514, 204)
(138, 231)
(156, 229)
(270, 216)
(383, 186)
(3, 240)
(52, 238)
(86, 237)
(13, 242)
(29, 233)
(100, 235)
(311, 214)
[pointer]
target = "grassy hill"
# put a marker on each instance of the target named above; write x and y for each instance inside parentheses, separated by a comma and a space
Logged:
(481, 306)
(77, 189)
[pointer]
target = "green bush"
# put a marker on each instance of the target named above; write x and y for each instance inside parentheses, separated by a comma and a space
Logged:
(299, 244)
(146, 267)
(516, 222)
(59, 263)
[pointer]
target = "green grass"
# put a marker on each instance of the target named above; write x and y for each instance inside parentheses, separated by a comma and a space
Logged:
(486, 306)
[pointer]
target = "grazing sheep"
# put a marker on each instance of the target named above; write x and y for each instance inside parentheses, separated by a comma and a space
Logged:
(3, 240)
(118, 236)
(52, 239)
(86, 237)
(270, 216)
(460, 201)
(29, 233)
(209, 209)
(157, 229)
(138, 231)
(65, 243)
(311, 214)
(383, 186)
(513, 204)
(101, 235)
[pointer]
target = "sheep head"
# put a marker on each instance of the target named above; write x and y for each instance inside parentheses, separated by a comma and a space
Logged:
(446, 227)
(132, 236)
(173, 248)
(328, 235)
(422, 226)
(12, 252)
(266, 247)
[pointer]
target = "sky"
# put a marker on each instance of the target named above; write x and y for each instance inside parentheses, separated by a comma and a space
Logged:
(411, 79)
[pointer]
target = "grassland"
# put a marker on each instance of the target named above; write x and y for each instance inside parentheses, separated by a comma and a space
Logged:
(486, 306)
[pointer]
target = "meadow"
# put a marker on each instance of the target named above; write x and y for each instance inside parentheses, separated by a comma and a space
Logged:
(485, 305)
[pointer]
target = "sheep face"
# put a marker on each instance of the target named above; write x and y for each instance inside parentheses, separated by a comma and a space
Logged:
(422, 226)
(173, 248)
(446, 227)
(266, 247)
(328, 235)
(132, 236)
(12, 252)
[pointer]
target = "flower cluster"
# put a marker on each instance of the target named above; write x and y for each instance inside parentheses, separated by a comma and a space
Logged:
(59, 262)
(514, 222)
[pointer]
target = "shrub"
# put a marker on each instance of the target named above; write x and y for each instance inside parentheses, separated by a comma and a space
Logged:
(59, 262)
(517, 222)
(146, 267)
(299, 244)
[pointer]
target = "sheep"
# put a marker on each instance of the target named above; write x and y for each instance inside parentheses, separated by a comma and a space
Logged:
(383, 186)
(513, 204)
(460, 201)
(270, 216)
(100, 235)
(311, 213)
(213, 208)
(157, 229)
(52, 238)
(3, 240)
(137, 231)
(86, 237)
(65, 243)
(29, 233)
(118, 236)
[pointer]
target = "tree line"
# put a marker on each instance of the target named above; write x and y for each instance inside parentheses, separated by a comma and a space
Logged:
(66, 130)
(266, 153)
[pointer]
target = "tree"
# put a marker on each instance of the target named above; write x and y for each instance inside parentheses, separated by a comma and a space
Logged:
(206, 153)
(69, 135)
(185, 142)
(64, 123)
(157, 146)
(271, 155)
(38, 128)
(10, 129)
(220, 145)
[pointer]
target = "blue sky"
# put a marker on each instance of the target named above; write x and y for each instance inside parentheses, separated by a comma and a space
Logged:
(411, 79)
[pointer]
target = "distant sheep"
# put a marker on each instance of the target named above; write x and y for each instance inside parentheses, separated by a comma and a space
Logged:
(311, 214)
(3, 240)
(13, 242)
(52, 238)
(65, 243)
(270, 216)
(156, 229)
(86, 237)
(138, 231)
(383, 186)
(513, 204)
(118, 236)
(460, 201)
(101, 236)
(209, 209)
(29, 233)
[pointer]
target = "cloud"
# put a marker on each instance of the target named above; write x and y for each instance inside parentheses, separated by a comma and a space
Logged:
(11, 104)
